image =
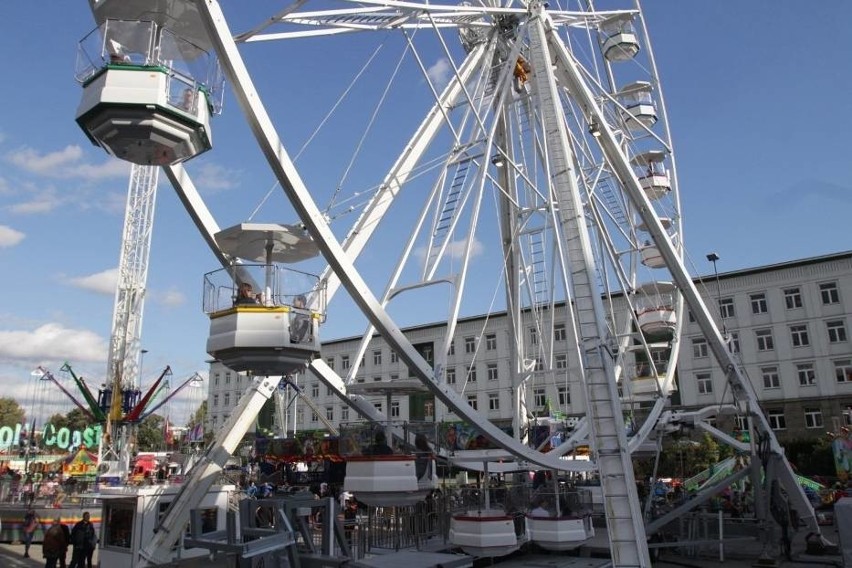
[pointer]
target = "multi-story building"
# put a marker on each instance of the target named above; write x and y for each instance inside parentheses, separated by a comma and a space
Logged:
(788, 322)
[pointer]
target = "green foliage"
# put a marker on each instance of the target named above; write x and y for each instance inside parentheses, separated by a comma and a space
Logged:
(76, 419)
(811, 457)
(150, 436)
(11, 412)
(199, 415)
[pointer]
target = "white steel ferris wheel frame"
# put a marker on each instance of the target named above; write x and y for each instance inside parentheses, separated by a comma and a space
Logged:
(605, 428)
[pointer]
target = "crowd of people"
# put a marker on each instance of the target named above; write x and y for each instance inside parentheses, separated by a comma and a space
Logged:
(58, 538)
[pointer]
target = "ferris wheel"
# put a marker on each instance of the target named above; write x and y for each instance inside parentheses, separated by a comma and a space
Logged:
(536, 175)
(505, 191)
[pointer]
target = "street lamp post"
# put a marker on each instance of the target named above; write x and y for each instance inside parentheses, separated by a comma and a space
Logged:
(713, 257)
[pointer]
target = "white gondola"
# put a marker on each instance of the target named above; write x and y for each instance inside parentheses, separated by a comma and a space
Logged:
(148, 91)
(620, 43)
(639, 110)
(652, 174)
(650, 252)
(276, 332)
(560, 518)
(389, 464)
(485, 524)
(655, 308)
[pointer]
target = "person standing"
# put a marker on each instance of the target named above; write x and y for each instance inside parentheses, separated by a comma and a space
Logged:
(84, 540)
(55, 544)
(30, 524)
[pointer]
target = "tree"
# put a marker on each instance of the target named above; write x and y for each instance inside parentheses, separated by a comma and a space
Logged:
(76, 419)
(58, 421)
(11, 412)
(149, 436)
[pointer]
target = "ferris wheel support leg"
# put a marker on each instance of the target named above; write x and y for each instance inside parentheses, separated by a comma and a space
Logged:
(742, 388)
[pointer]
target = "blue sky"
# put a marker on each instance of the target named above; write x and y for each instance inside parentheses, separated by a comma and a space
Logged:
(758, 100)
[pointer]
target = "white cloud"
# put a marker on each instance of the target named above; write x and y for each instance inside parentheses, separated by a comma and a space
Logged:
(439, 73)
(455, 250)
(53, 342)
(66, 163)
(46, 164)
(9, 237)
(213, 177)
(169, 298)
(102, 282)
(41, 204)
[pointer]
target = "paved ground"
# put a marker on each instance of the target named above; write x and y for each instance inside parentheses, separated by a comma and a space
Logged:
(736, 556)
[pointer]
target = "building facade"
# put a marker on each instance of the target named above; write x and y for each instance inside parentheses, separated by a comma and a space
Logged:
(788, 323)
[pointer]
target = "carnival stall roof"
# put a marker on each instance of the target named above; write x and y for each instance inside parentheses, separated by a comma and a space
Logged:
(82, 463)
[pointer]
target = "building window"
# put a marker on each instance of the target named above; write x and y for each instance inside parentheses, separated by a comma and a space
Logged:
(776, 419)
(329, 413)
(704, 382)
(216, 379)
(359, 380)
(562, 361)
(394, 377)
(493, 401)
(314, 417)
(471, 400)
(394, 357)
(377, 406)
(847, 416)
(539, 397)
(227, 378)
(771, 380)
(344, 362)
(377, 357)
(215, 400)
(726, 308)
(314, 390)
(734, 342)
(559, 332)
(806, 374)
(330, 362)
(451, 375)
(699, 348)
(563, 395)
(395, 409)
(377, 379)
(227, 399)
(843, 370)
(492, 372)
(344, 413)
(741, 422)
(239, 379)
(471, 374)
(533, 336)
(758, 303)
(491, 342)
(452, 348)
(793, 298)
(836, 331)
(539, 364)
(829, 293)
(469, 344)
(799, 335)
(764, 340)
(813, 418)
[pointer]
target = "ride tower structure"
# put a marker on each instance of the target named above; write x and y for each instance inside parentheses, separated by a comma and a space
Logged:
(562, 158)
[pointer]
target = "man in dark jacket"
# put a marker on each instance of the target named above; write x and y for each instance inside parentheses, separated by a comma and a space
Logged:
(55, 543)
(84, 540)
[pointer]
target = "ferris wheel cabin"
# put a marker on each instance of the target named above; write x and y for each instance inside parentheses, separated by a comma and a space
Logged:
(639, 110)
(655, 308)
(619, 43)
(650, 252)
(150, 85)
(653, 175)
(264, 318)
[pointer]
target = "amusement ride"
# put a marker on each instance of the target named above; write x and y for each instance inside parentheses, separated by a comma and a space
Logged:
(547, 147)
